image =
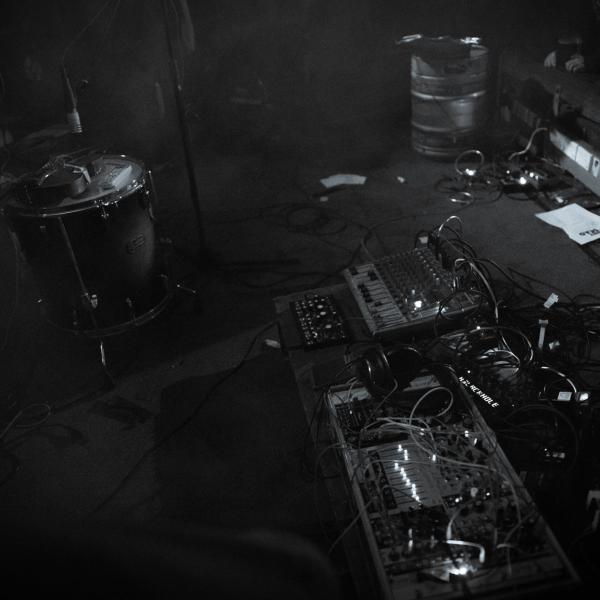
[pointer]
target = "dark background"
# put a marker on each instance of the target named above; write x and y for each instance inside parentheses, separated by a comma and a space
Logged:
(306, 81)
(300, 65)
(265, 75)
(270, 86)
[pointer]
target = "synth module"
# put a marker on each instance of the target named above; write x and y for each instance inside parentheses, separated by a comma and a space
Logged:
(408, 293)
(443, 513)
(319, 321)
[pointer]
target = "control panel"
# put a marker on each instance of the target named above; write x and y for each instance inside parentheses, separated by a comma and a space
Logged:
(319, 321)
(407, 292)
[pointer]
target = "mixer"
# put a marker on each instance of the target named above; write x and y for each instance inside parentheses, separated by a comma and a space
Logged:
(408, 293)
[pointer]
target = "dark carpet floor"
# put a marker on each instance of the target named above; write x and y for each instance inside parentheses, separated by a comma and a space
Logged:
(169, 445)
(235, 450)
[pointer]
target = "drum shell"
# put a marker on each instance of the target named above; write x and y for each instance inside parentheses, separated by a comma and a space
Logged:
(114, 248)
(449, 103)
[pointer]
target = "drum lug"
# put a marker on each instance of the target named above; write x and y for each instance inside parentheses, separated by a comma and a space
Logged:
(90, 301)
(132, 311)
(129, 303)
(103, 212)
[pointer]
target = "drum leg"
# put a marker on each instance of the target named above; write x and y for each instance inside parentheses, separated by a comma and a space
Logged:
(110, 382)
(89, 299)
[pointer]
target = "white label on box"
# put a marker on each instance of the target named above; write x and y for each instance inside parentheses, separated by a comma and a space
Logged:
(583, 158)
(581, 225)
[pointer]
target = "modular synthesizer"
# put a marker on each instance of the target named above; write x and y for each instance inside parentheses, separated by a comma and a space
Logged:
(442, 510)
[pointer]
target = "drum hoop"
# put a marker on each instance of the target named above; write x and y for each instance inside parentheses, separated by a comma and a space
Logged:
(132, 323)
(48, 212)
(125, 326)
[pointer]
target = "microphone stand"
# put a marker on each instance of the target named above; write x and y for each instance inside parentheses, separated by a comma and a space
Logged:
(203, 256)
(185, 138)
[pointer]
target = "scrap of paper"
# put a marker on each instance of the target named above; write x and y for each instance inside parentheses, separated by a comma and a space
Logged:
(580, 224)
(343, 179)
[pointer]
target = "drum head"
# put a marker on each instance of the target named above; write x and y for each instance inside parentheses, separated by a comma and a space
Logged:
(114, 177)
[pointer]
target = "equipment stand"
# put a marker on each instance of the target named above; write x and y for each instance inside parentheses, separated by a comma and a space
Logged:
(185, 135)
